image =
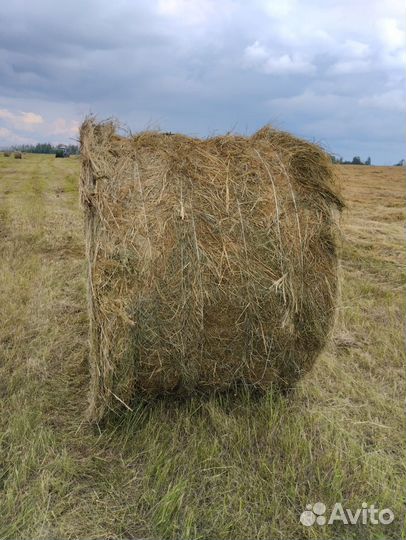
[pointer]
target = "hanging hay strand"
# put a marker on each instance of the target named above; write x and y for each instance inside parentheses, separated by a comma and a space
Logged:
(210, 262)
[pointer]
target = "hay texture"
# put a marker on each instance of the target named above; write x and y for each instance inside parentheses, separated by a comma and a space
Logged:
(210, 262)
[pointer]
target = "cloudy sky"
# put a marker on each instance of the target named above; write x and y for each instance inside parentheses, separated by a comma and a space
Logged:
(331, 71)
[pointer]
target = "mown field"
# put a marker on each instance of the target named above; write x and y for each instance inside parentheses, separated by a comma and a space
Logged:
(225, 467)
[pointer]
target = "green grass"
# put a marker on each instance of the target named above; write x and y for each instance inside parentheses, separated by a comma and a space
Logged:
(224, 467)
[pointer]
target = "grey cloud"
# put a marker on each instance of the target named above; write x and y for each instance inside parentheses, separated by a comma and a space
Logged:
(184, 66)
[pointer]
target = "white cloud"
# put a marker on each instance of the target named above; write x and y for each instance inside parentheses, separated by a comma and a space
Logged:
(356, 49)
(393, 100)
(62, 126)
(347, 67)
(30, 118)
(258, 57)
(393, 61)
(6, 114)
(9, 138)
(287, 64)
(351, 57)
(308, 102)
(278, 9)
(22, 120)
(368, 31)
(392, 36)
(193, 12)
(17, 124)
(255, 54)
(4, 132)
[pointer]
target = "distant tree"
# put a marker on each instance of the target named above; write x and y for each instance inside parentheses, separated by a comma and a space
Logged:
(401, 163)
(336, 159)
(356, 160)
(368, 161)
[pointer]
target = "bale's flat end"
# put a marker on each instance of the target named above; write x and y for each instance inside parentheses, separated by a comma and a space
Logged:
(210, 262)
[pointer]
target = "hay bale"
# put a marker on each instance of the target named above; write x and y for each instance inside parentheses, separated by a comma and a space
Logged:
(18, 155)
(6, 154)
(210, 262)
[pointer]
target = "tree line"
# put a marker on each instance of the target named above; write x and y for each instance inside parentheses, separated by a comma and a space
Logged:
(44, 148)
(356, 160)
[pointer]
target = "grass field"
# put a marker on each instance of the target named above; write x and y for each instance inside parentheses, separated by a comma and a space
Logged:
(226, 467)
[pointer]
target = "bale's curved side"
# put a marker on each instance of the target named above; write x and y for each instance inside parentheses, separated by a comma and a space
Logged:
(211, 262)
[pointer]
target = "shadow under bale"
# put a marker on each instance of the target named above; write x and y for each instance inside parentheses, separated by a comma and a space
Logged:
(211, 263)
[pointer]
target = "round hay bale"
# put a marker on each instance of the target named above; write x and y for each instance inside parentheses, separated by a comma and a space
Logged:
(18, 155)
(6, 154)
(210, 262)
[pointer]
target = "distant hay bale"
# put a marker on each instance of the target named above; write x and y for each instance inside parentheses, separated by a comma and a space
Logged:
(18, 155)
(210, 262)
(6, 154)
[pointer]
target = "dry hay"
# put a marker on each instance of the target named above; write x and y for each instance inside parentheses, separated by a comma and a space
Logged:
(18, 155)
(210, 262)
(6, 154)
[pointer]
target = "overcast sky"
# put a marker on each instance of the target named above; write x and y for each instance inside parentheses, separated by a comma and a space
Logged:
(329, 71)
